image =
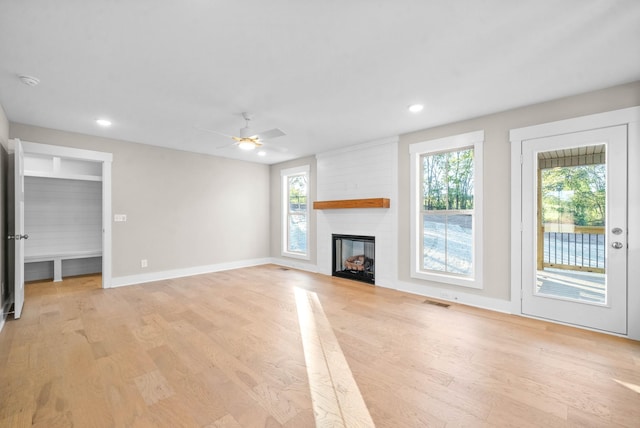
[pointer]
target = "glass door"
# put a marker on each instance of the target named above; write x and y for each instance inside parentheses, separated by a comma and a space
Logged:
(574, 190)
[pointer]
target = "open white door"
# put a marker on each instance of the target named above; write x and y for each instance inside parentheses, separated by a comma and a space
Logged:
(16, 225)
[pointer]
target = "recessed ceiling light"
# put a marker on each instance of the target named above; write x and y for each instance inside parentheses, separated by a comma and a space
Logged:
(416, 108)
(262, 153)
(103, 122)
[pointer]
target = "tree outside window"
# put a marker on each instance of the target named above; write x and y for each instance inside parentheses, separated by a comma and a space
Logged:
(297, 224)
(295, 212)
(447, 211)
(446, 214)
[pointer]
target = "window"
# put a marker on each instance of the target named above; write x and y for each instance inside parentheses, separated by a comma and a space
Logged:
(295, 210)
(446, 201)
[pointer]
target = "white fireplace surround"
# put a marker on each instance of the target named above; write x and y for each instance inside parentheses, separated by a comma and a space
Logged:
(358, 172)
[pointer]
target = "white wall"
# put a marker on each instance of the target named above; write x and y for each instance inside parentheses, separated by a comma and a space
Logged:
(62, 216)
(497, 199)
(186, 213)
(276, 214)
(358, 172)
(158, 189)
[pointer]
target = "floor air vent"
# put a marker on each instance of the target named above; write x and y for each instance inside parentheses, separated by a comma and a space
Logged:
(433, 302)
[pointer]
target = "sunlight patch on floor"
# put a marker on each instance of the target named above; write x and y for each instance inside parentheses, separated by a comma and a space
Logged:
(631, 386)
(335, 396)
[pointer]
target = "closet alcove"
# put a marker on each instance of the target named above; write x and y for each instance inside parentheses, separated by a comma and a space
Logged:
(63, 215)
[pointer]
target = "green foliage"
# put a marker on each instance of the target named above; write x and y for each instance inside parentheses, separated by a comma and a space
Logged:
(447, 180)
(574, 195)
(297, 190)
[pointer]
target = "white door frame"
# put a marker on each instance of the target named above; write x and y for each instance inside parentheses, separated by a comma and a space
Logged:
(629, 117)
(15, 229)
(92, 156)
(610, 315)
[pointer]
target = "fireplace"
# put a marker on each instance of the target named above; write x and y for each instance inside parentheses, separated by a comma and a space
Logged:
(354, 257)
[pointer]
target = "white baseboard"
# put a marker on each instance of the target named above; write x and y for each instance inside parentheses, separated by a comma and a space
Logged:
(475, 300)
(294, 264)
(421, 290)
(448, 295)
(122, 281)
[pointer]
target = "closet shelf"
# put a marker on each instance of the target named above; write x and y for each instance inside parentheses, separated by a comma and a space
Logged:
(62, 176)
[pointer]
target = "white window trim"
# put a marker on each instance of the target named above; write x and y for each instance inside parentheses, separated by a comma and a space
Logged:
(471, 139)
(304, 169)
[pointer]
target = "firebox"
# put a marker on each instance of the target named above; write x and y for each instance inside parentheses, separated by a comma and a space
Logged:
(354, 257)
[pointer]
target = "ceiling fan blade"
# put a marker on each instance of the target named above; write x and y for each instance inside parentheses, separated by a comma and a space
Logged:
(214, 132)
(271, 133)
(225, 146)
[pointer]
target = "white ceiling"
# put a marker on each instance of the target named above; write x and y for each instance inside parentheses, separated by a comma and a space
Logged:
(329, 73)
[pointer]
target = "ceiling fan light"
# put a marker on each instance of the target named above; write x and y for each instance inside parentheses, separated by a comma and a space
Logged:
(247, 145)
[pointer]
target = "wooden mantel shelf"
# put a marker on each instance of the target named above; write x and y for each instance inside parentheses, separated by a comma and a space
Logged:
(352, 203)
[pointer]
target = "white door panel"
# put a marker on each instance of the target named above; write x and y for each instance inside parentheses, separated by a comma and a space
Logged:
(16, 225)
(544, 291)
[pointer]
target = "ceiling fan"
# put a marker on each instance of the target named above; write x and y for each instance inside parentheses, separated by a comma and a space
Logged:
(248, 139)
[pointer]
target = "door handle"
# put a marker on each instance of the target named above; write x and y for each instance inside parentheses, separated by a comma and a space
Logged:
(617, 245)
(17, 237)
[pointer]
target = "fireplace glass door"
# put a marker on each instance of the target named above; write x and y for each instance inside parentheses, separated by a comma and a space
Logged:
(354, 257)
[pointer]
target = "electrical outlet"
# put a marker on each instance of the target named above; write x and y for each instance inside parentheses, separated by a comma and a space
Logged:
(143, 263)
(120, 217)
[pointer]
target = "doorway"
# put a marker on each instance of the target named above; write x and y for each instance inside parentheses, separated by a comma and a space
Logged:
(62, 164)
(574, 271)
(571, 192)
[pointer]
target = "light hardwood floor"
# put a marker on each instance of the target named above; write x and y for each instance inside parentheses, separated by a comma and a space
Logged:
(231, 349)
